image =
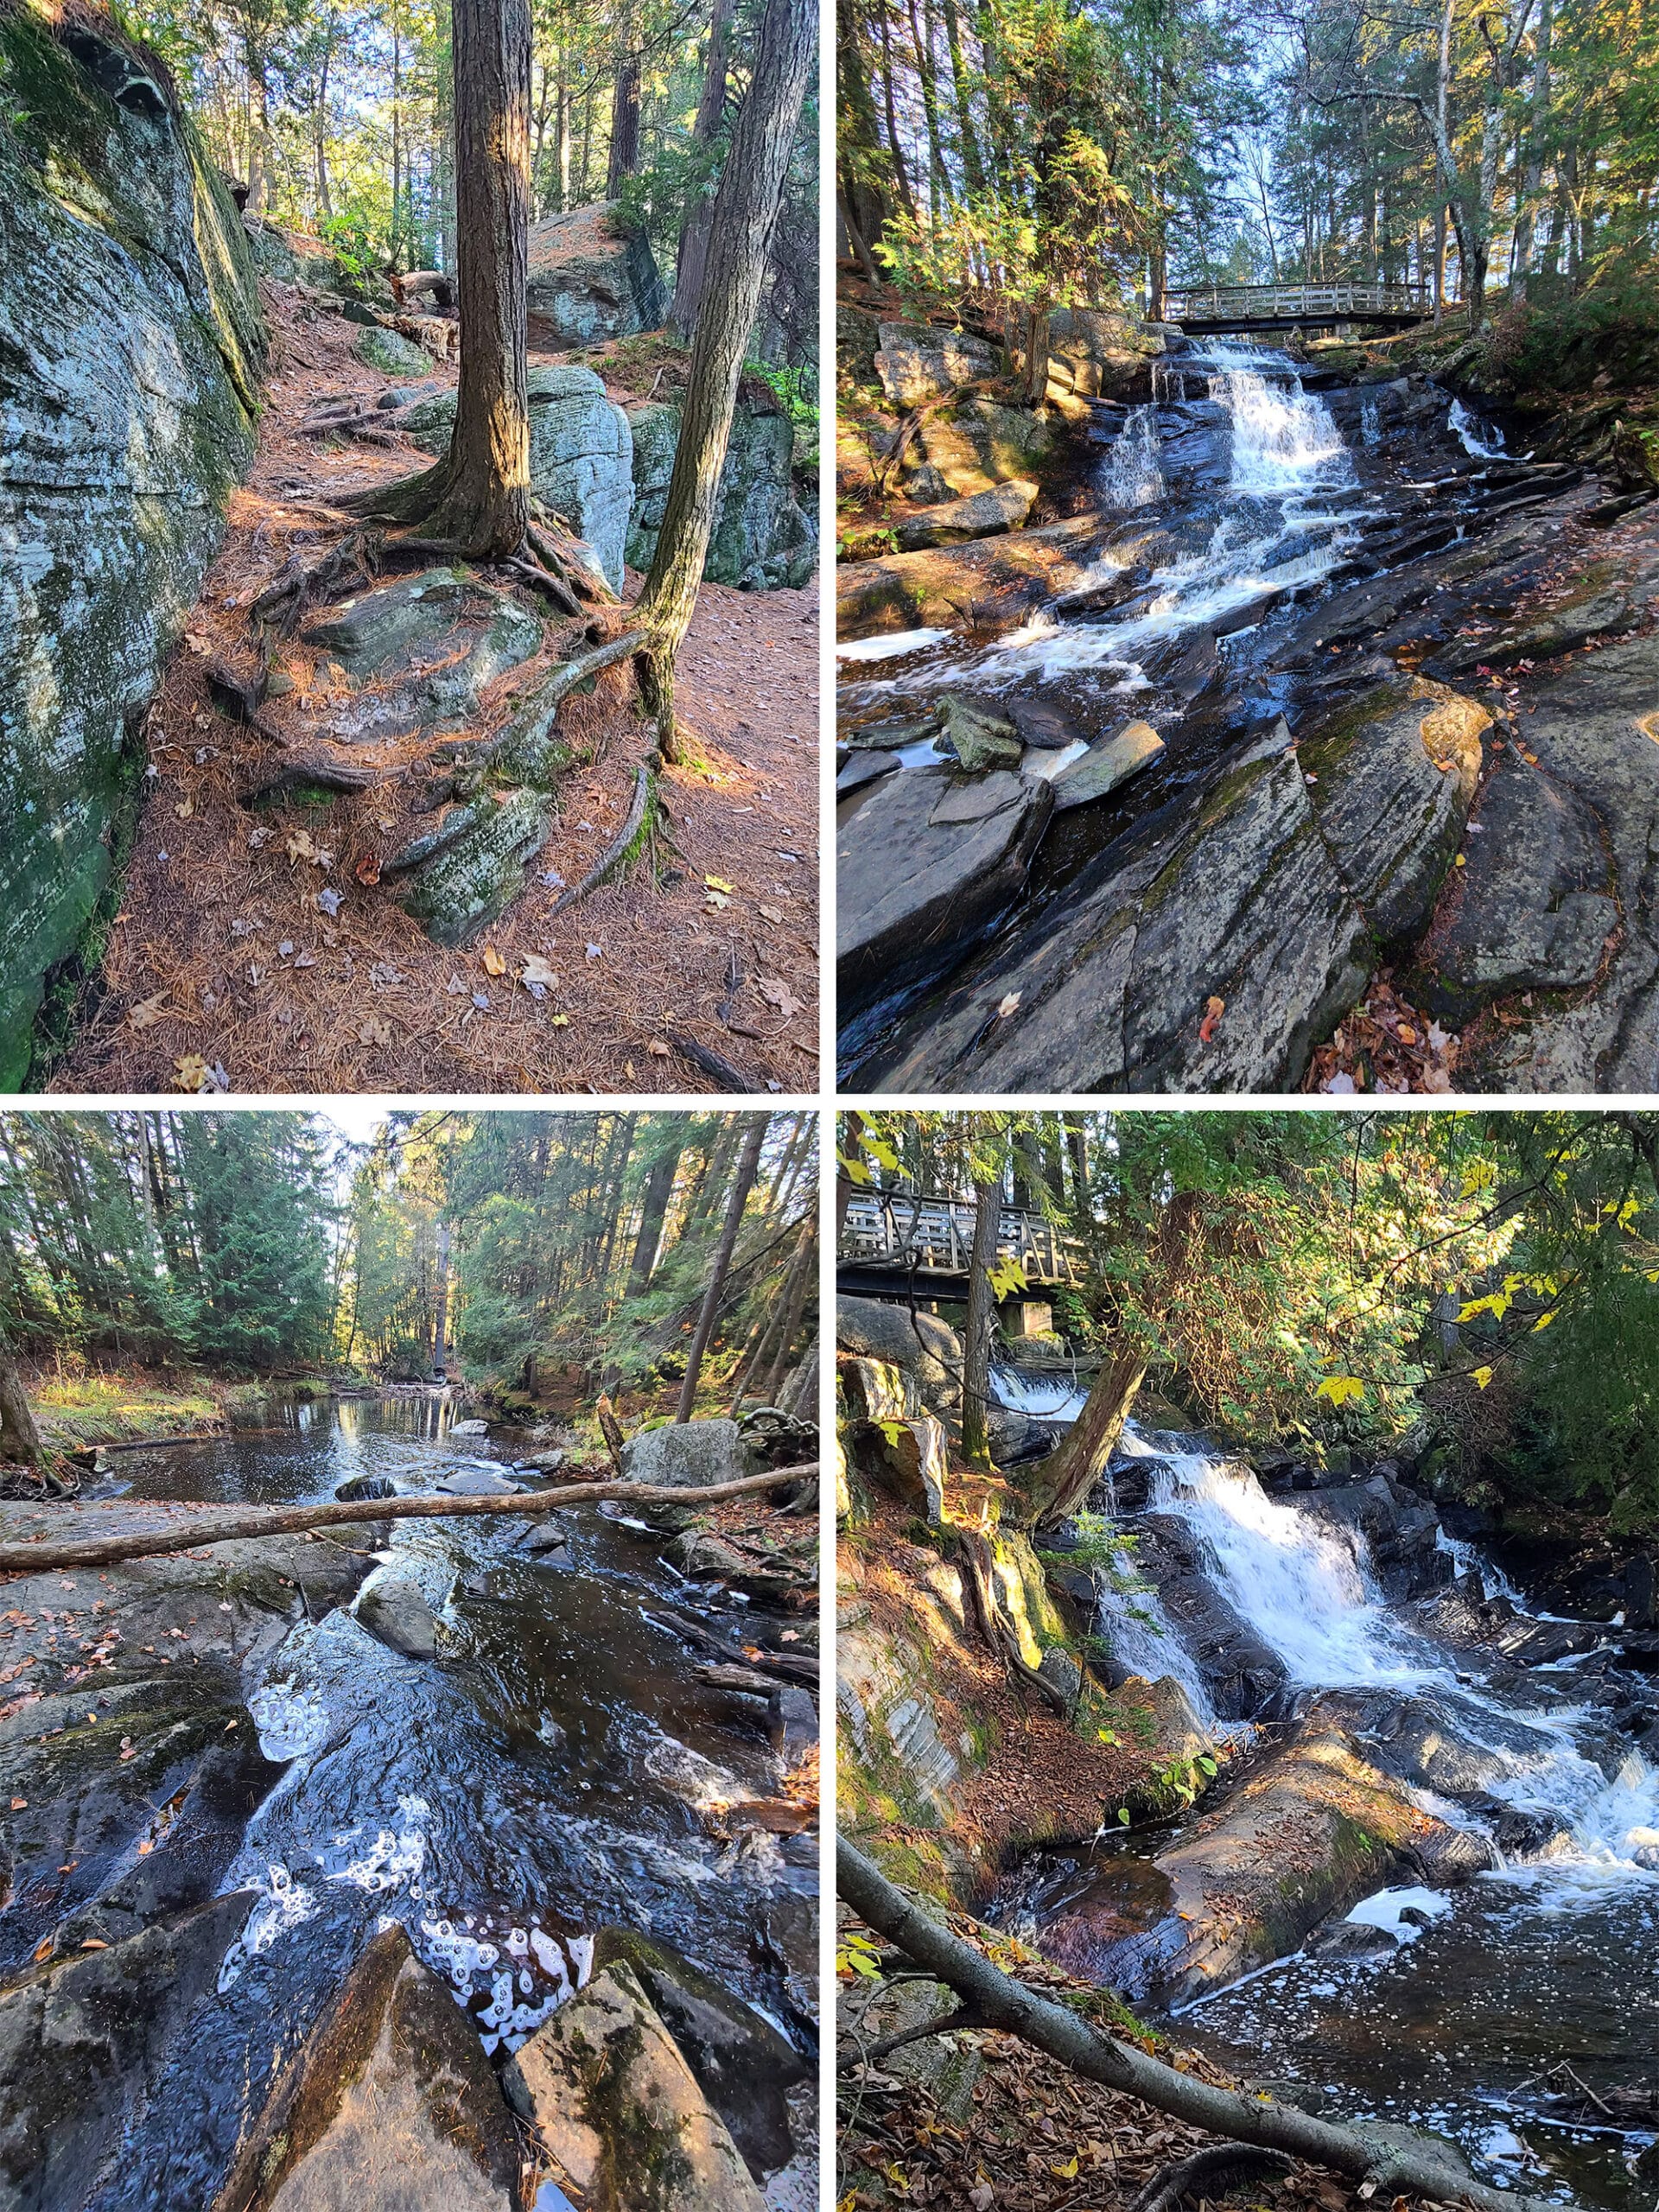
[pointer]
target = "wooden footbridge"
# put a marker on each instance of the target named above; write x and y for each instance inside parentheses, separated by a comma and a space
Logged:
(1217, 307)
(891, 1238)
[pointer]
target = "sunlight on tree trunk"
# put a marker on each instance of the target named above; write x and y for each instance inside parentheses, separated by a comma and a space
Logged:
(475, 502)
(746, 210)
(1058, 1485)
(19, 1440)
(977, 1339)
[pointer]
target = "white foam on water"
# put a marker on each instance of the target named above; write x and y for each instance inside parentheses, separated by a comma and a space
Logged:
(1478, 437)
(283, 1904)
(889, 647)
(293, 1723)
(1384, 1908)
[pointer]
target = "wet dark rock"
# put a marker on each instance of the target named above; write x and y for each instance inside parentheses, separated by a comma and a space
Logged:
(1246, 1679)
(394, 1609)
(83, 2046)
(864, 768)
(912, 892)
(362, 1486)
(1352, 1939)
(981, 514)
(1107, 764)
(547, 1534)
(619, 2111)
(687, 1455)
(980, 735)
(1599, 606)
(743, 2066)
(392, 2080)
(1241, 901)
(1541, 1643)
(1401, 1530)
(792, 1723)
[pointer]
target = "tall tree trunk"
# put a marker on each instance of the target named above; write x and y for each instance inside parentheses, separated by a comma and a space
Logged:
(1058, 1485)
(19, 1440)
(258, 133)
(900, 175)
(691, 263)
(746, 212)
(976, 1337)
(748, 1161)
(562, 138)
(771, 1382)
(440, 1302)
(972, 168)
(625, 115)
(653, 1210)
(475, 502)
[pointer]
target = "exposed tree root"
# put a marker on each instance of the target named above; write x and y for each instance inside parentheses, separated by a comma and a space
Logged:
(627, 841)
(542, 579)
(1382, 2168)
(975, 1553)
(284, 599)
(1211, 2174)
(327, 774)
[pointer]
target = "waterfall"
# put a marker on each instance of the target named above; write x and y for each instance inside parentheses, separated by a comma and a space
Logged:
(1310, 1593)
(1484, 439)
(1370, 431)
(1131, 477)
(1284, 438)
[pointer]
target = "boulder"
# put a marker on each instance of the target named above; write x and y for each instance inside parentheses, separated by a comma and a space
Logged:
(619, 2112)
(394, 1611)
(478, 1482)
(580, 453)
(981, 737)
(925, 1350)
(981, 514)
(132, 358)
(1107, 989)
(1096, 353)
(389, 2102)
(980, 445)
(420, 650)
(1108, 763)
(911, 1458)
(687, 1455)
(742, 2064)
(914, 886)
(84, 2045)
(469, 1429)
(762, 538)
(918, 362)
(392, 353)
(1391, 775)
(366, 1487)
(792, 1723)
(591, 277)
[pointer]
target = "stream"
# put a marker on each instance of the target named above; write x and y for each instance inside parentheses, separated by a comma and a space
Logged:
(543, 1779)
(1475, 1992)
(1249, 519)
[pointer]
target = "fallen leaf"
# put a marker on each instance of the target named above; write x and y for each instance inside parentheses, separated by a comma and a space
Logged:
(1007, 1005)
(535, 972)
(718, 883)
(367, 869)
(375, 1031)
(20, 1804)
(558, 1021)
(184, 810)
(715, 902)
(777, 993)
(493, 964)
(190, 1072)
(1214, 1009)
(770, 913)
(95, 1942)
(1408, 1035)
(149, 1011)
(658, 1049)
(300, 847)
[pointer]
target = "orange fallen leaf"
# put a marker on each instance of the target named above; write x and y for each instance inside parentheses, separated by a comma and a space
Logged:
(367, 869)
(493, 963)
(1214, 1009)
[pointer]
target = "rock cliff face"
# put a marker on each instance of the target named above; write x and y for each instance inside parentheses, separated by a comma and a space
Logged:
(128, 362)
(590, 280)
(761, 538)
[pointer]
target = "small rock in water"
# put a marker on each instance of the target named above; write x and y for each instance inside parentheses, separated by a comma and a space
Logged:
(477, 1482)
(394, 1609)
(365, 1486)
(469, 1429)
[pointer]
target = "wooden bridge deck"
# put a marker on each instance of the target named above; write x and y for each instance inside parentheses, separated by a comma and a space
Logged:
(886, 1231)
(1285, 307)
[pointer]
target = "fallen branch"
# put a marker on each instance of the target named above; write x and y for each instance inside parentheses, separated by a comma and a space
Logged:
(617, 851)
(725, 1072)
(1384, 2168)
(293, 1520)
(307, 768)
(1211, 2174)
(803, 1671)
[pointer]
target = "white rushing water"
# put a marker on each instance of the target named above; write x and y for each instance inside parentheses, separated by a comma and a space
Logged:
(1281, 524)
(1484, 439)
(1308, 1590)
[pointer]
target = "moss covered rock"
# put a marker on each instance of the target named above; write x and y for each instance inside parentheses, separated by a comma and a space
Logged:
(393, 355)
(127, 407)
(762, 537)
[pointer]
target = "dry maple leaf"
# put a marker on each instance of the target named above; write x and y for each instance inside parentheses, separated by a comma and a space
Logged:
(149, 1011)
(190, 1072)
(367, 869)
(492, 961)
(536, 970)
(1214, 1009)
(300, 847)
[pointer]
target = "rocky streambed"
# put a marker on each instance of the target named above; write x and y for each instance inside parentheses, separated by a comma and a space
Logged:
(1303, 680)
(1424, 1889)
(319, 1852)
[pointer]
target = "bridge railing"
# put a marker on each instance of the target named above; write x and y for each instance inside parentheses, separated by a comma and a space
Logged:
(1295, 302)
(889, 1228)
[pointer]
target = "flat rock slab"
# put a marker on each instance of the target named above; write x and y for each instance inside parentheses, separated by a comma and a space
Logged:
(478, 1482)
(912, 890)
(619, 2113)
(864, 768)
(687, 1455)
(918, 361)
(1106, 764)
(994, 583)
(1391, 778)
(84, 2045)
(981, 514)
(1535, 908)
(390, 2104)
(421, 649)
(1108, 989)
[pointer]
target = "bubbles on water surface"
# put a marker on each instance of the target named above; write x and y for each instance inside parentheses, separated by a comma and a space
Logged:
(292, 1722)
(284, 1905)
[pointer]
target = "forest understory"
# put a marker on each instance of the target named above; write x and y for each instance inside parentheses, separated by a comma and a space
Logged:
(256, 947)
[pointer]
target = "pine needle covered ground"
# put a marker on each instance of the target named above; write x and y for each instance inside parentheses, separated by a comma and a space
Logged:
(219, 958)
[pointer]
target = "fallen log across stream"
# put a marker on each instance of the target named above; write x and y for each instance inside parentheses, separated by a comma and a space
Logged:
(1383, 2166)
(256, 1521)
